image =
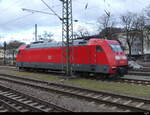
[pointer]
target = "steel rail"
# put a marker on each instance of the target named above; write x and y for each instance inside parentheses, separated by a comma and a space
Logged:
(69, 90)
(6, 107)
(31, 103)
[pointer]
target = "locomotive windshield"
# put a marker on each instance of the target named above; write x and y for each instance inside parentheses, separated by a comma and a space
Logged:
(116, 47)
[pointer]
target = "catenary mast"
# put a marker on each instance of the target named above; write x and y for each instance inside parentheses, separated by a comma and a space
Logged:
(67, 34)
(67, 31)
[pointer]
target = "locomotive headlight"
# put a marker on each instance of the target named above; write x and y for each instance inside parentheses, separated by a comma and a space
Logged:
(124, 57)
(117, 57)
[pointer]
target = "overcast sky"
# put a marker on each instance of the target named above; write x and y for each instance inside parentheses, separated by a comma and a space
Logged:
(16, 24)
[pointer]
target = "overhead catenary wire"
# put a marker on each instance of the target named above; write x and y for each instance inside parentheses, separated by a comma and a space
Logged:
(33, 11)
(51, 10)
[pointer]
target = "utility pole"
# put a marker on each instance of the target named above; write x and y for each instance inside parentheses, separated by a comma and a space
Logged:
(67, 33)
(35, 32)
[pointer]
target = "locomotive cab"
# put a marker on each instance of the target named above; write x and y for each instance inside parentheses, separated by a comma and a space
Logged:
(120, 60)
(109, 57)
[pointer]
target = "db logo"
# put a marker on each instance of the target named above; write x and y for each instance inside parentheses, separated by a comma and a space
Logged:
(49, 57)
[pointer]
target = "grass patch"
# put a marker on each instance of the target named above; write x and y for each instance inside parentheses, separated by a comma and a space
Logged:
(122, 88)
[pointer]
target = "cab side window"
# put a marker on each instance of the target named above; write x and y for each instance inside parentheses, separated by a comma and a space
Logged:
(99, 49)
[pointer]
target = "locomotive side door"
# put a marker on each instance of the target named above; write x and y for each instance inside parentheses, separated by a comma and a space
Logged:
(96, 57)
(92, 55)
(100, 57)
(92, 58)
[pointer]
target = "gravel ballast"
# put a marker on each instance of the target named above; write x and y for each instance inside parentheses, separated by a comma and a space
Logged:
(72, 104)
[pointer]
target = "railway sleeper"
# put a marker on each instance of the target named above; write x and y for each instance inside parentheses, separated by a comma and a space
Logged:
(137, 108)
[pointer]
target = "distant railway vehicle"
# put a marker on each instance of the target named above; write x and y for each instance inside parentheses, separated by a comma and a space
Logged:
(94, 56)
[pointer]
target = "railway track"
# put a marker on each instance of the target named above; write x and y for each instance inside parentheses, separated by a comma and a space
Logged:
(14, 101)
(110, 100)
(144, 73)
(128, 80)
(135, 81)
(123, 80)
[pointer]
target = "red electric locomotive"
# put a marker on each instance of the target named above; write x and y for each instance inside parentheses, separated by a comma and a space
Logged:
(96, 56)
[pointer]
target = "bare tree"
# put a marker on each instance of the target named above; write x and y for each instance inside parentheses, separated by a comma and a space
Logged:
(140, 24)
(128, 21)
(147, 11)
(106, 23)
(147, 27)
(11, 48)
(46, 36)
(147, 32)
(81, 33)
